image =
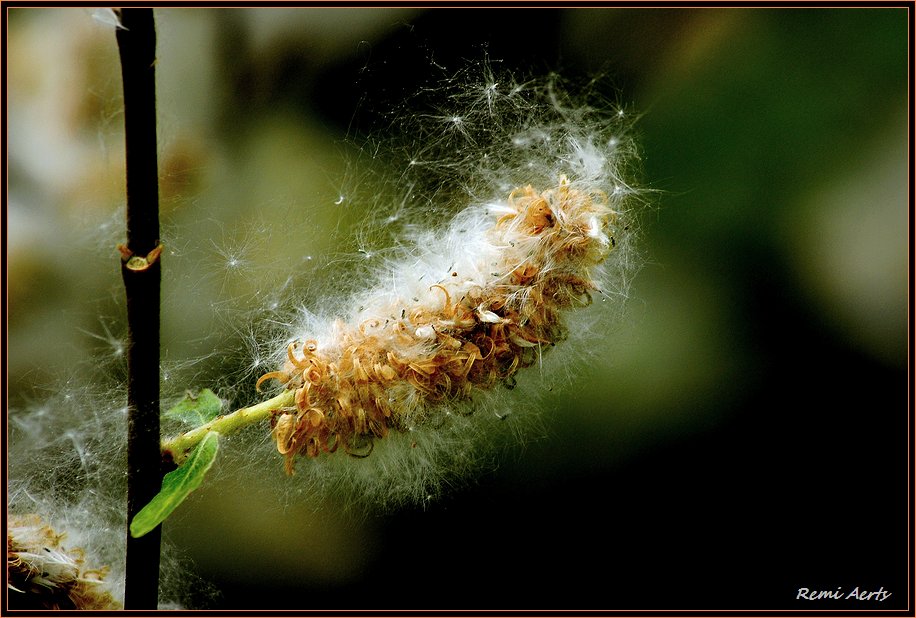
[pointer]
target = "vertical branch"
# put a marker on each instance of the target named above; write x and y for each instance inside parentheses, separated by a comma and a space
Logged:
(141, 271)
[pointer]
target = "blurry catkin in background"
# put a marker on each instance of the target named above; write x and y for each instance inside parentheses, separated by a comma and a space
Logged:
(43, 574)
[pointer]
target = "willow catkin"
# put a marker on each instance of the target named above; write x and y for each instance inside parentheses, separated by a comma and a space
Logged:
(487, 302)
(44, 574)
(507, 207)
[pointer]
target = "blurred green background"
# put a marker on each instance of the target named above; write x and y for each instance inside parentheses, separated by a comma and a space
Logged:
(745, 433)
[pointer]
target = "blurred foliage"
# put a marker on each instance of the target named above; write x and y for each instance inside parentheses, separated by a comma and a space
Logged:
(747, 420)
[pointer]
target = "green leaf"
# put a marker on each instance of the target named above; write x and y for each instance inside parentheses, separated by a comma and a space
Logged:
(176, 485)
(197, 409)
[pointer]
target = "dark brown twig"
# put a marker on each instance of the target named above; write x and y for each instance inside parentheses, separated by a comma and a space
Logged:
(141, 271)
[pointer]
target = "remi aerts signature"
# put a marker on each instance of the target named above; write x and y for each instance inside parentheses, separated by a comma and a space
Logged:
(856, 594)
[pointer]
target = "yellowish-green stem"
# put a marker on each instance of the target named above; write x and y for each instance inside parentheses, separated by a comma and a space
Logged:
(179, 446)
